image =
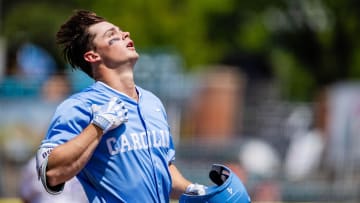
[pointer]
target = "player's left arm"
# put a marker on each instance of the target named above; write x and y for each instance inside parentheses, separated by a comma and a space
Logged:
(181, 185)
(179, 182)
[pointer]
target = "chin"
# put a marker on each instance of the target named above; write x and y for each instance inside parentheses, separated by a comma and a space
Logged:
(134, 59)
(134, 55)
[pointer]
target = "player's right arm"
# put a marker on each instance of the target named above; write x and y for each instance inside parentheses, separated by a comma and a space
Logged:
(66, 160)
(58, 163)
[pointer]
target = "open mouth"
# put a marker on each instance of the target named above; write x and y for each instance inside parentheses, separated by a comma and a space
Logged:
(130, 44)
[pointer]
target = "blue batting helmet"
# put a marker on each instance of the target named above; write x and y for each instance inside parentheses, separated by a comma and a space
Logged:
(228, 188)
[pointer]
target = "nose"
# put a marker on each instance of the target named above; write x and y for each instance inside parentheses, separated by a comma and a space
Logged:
(125, 35)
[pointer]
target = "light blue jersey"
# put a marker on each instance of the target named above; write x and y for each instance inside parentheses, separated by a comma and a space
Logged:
(131, 162)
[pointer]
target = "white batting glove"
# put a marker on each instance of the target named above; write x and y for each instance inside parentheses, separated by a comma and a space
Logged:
(196, 189)
(109, 115)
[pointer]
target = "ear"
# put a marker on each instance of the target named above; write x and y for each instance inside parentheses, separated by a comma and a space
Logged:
(91, 56)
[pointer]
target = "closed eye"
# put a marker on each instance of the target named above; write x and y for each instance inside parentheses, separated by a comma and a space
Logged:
(111, 32)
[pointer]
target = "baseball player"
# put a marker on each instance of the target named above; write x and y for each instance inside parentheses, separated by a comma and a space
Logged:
(113, 135)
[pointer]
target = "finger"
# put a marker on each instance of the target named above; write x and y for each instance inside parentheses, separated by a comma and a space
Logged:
(118, 101)
(124, 119)
(117, 108)
(111, 103)
(95, 108)
(122, 104)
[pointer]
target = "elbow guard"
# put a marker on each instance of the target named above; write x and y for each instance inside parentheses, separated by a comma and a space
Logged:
(42, 156)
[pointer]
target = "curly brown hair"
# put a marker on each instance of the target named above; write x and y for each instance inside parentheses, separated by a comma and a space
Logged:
(76, 40)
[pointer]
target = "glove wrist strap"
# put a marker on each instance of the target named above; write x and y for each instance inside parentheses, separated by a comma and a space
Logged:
(102, 123)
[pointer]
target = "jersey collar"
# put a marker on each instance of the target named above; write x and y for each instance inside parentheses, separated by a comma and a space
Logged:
(138, 90)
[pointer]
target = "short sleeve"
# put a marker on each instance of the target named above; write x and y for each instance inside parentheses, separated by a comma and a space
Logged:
(69, 120)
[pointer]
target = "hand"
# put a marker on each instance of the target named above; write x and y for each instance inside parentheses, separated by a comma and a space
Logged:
(109, 115)
(196, 189)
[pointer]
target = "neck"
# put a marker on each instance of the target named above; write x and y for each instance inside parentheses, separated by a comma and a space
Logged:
(122, 82)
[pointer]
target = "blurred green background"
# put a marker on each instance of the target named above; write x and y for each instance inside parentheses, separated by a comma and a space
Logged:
(267, 87)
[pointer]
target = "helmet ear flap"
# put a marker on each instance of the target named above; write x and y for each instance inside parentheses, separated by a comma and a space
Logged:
(218, 174)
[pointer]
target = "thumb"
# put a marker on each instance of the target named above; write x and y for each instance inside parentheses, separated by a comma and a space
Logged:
(95, 108)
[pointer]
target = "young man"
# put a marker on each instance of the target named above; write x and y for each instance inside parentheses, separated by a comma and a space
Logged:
(113, 136)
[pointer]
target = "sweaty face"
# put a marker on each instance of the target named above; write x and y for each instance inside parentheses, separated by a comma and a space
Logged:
(113, 45)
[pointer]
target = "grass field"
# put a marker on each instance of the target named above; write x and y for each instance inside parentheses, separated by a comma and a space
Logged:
(10, 200)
